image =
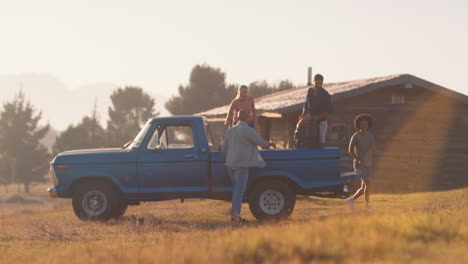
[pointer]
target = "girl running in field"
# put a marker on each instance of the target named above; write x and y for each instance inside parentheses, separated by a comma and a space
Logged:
(361, 147)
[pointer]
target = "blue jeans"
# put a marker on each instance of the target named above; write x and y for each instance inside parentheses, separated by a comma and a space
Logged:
(239, 177)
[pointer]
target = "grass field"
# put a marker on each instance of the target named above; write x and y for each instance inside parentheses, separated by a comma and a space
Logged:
(427, 227)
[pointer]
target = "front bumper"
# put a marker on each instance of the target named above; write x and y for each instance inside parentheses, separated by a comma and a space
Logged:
(52, 192)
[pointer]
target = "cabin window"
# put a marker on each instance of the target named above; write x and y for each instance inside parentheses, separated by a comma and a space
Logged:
(398, 99)
(337, 132)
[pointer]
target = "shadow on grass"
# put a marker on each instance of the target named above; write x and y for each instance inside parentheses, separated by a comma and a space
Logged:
(150, 220)
(319, 210)
(19, 199)
(321, 201)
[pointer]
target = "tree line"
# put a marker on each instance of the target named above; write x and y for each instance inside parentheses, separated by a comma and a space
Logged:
(24, 160)
(207, 89)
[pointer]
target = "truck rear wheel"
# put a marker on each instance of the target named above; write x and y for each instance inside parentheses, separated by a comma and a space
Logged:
(272, 200)
(97, 201)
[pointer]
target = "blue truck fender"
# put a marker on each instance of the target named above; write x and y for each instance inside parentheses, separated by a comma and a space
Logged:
(107, 179)
(279, 174)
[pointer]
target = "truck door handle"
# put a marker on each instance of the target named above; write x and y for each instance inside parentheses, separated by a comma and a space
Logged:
(188, 156)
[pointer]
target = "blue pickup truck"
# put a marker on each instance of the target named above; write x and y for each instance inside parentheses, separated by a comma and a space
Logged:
(173, 158)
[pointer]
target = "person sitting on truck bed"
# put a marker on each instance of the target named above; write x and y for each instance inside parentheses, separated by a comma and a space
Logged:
(305, 135)
(361, 147)
(240, 150)
(241, 102)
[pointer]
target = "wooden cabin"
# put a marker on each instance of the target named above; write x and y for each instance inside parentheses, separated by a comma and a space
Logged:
(421, 128)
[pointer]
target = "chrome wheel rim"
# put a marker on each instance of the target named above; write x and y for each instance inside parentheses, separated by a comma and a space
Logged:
(271, 202)
(94, 203)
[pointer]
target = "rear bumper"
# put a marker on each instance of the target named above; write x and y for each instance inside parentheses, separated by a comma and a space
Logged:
(340, 188)
(52, 192)
(348, 176)
(347, 180)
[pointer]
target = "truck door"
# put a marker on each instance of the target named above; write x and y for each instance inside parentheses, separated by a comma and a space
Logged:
(171, 165)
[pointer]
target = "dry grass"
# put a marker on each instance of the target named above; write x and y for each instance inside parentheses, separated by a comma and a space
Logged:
(418, 228)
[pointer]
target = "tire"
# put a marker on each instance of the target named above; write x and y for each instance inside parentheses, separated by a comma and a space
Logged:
(97, 201)
(272, 200)
(120, 211)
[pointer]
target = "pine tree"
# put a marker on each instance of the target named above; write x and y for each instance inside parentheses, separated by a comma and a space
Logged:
(85, 135)
(24, 158)
(131, 108)
(206, 89)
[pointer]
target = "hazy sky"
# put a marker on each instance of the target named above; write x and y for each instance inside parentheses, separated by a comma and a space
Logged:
(155, 44)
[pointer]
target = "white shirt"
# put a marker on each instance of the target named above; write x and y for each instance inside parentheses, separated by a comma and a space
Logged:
(240, 145)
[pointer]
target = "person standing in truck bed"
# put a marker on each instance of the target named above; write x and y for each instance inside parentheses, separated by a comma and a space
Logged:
(241, 102)
(317, 107)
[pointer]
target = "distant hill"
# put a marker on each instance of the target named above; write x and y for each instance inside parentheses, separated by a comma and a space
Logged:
(59, 104)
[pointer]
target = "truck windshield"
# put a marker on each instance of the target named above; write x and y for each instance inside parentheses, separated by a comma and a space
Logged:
(135, 143)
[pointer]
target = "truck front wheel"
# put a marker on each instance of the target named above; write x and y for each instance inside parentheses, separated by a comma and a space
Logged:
(96, 201)
(272, 200)
(120, 211)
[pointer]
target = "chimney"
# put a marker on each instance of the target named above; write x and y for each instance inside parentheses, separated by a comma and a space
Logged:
(309, 76)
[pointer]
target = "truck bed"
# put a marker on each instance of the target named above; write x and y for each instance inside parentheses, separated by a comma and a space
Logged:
(309, 169)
